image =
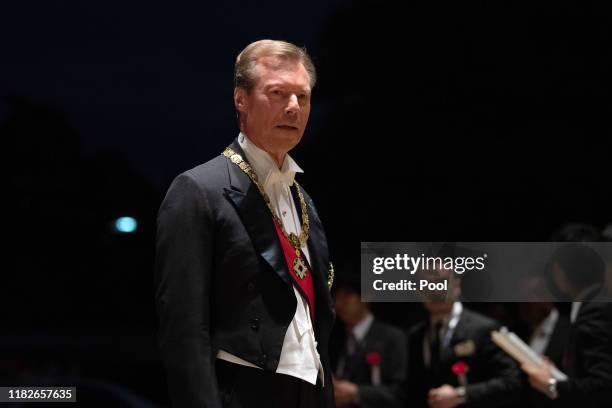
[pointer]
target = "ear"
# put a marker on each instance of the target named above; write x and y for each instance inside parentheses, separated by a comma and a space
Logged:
(240, 100)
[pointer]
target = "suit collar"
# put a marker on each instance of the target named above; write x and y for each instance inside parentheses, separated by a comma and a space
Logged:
(255, 216)
(239, 180)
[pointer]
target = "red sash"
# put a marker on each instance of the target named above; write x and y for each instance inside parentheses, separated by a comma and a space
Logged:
(306, 286)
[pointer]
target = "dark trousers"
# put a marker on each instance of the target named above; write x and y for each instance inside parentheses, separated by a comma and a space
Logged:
(246, 387)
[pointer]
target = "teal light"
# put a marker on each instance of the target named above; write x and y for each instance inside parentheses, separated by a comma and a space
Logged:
(126, 225)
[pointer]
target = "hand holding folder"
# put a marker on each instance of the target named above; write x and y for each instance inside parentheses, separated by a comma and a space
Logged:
(521, 352)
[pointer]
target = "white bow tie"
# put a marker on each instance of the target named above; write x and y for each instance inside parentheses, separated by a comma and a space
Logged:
(278, 177)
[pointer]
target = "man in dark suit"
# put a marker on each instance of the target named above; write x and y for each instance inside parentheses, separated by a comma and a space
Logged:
(242, 267)
(452, 360)
(544, 328)
(370, 360)
(547, 334)
(578, 273)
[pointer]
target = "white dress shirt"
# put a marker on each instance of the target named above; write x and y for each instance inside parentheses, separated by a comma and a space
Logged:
(543, 332)
(299, 357)
(577, 304)
(574, 312)
(363, 327)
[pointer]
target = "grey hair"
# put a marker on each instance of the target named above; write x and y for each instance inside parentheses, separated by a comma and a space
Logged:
(244, 70)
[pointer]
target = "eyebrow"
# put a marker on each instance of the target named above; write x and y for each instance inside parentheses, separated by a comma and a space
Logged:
(281, 85)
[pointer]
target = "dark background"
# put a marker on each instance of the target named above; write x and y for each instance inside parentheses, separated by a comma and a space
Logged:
(487, 121)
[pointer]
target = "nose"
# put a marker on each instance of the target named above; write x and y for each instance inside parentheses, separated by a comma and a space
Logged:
(293, 105)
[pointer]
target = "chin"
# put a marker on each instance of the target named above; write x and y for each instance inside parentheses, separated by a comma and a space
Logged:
(289, 138)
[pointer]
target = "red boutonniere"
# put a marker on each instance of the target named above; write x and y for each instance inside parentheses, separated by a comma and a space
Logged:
(373, 359)
(460, 368)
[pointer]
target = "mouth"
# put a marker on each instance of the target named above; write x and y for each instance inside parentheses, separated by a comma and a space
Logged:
(287, 127)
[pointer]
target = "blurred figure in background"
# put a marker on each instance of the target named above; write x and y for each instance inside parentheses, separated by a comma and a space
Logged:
(548, 329)
(371, 364)
(578, 272)
(547, 335)
(452, 360)
(545, 328)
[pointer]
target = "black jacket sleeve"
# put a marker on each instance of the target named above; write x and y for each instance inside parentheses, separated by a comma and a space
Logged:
(182, 282)
(594, 333)
(503, 386)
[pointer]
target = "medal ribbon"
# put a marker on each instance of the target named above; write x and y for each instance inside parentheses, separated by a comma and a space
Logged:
(305, 283)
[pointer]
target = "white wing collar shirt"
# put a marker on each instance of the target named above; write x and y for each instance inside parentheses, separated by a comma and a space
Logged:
(299, 357)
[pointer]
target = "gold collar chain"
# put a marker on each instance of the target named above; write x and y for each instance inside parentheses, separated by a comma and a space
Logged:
(296, 242)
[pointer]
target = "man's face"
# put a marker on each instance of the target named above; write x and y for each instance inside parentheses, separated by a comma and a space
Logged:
(276, 110)
(438, 307)
(349, 307)
(438, 301)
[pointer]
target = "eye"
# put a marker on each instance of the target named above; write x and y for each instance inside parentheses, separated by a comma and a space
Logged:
(277, 92)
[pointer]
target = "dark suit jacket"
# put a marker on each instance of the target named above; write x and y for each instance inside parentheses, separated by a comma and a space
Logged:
(493, 377)
(222, 281)
(589, 359)
(555, 350)
(390, 343)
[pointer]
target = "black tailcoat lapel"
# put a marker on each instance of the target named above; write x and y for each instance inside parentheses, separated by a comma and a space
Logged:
(256, 217)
